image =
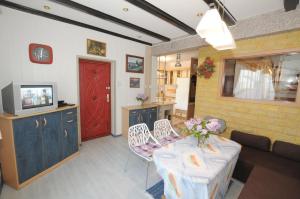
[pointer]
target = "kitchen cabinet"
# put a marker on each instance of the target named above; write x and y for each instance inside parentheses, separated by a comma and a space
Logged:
(33, 144)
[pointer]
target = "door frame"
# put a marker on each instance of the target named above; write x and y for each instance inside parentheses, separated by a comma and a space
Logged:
(112, 91)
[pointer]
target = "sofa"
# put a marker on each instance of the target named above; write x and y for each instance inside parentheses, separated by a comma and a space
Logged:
(267, 173)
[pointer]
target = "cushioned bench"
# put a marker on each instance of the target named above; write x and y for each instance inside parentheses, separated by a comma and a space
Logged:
(257, 165)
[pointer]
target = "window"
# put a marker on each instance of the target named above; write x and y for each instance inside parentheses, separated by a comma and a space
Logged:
(273, 78)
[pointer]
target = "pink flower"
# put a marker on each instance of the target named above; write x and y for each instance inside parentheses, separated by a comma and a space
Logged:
(189, 124)
(199, 128)
(213, 126)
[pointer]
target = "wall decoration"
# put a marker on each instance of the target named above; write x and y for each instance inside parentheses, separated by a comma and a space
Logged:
(96, 48)
(134, 64)
(207, 68)
(41, 54)
(134, 82)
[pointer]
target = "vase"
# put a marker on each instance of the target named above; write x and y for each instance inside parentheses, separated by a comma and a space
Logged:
(202, 141)
(142, 103)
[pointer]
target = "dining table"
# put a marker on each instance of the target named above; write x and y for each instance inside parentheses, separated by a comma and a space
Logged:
(193, 172)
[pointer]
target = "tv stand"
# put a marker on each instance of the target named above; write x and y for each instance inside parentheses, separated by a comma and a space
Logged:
(33, 145)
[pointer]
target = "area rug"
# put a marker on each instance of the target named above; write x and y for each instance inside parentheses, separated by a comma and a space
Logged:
(157, 190)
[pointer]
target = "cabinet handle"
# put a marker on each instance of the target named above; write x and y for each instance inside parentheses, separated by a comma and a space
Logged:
(66, 133)
(45, 121)
(107, 97)
(69, 113)
(37, 124)
(70, 121)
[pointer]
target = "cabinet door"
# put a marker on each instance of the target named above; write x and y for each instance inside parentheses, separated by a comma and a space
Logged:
(135, 117)
(51, 128)
(28, 146)
(70, 137)
(152, 117)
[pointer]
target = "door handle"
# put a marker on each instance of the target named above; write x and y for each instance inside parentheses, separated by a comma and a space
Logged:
(107, 97)
(45, 121)
(37, 124)
(66, 133)
(70, 121)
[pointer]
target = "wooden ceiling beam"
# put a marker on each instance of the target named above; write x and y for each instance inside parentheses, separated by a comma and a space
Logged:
(104, 16)
(148, 7)
(290, 4)
(65, 20)
(228, 18)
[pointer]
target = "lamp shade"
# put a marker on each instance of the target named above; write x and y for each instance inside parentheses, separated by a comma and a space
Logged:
(211, 22)
(222, 40)
(214, 30)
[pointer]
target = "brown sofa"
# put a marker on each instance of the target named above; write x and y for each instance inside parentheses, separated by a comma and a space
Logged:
(267, 174)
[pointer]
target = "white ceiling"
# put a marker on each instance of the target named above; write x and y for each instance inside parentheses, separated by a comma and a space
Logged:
(184, 10)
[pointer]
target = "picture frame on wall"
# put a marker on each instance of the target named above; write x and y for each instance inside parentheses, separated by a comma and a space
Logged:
(96, 48)
(134, 82)
(134, 64)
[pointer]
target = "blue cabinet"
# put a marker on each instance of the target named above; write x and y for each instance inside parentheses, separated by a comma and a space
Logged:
(70, 133)
(28, 147)
(44, 140)
(147, 115)
(51, 138)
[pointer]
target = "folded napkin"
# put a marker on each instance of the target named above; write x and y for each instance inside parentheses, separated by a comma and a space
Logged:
(191, 159)
(210, 148)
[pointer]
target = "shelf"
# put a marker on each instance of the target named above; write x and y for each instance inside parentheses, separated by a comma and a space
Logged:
(161, 77)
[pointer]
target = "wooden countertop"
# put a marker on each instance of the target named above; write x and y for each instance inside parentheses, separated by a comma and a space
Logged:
(152, 105)
(13, 117)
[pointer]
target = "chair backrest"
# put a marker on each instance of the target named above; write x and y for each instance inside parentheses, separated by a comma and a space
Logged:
(139, 134)
(163, 128)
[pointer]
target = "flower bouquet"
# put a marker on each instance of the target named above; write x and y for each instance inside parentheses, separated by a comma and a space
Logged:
(141, 98)
(207, 68)
(201, 129)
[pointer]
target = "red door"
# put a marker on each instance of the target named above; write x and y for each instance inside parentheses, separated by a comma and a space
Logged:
(95, 113)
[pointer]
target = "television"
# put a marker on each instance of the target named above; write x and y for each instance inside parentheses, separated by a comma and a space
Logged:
(25, 98)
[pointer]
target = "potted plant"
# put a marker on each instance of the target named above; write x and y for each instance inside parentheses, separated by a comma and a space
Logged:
(141, 98)
(201, 129)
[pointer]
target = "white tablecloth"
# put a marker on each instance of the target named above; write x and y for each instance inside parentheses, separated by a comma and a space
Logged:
(190, 172)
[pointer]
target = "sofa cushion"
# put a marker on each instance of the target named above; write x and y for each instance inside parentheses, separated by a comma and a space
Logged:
(267, 184)
(270, 161)
(287, 150)
(255, 141)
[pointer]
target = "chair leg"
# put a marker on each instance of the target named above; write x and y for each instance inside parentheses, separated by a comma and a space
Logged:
(126, 165)
(148, 163)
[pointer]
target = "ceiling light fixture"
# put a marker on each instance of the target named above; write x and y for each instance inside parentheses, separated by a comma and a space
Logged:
(214, 30)
(125, 9)
(178, 64)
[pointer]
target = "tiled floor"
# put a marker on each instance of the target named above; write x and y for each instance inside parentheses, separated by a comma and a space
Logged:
(98, 172)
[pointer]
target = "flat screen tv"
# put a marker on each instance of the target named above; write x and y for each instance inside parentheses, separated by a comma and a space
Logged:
(25, 98)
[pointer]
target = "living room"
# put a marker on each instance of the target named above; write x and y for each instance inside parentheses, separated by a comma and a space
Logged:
(90, 95)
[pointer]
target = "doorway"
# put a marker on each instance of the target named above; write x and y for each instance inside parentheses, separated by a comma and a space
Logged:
(95, 98)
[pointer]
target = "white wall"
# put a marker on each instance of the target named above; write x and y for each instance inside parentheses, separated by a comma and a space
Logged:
(18, 30)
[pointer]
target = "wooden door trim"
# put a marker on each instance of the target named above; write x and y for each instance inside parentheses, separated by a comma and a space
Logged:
(112, 90)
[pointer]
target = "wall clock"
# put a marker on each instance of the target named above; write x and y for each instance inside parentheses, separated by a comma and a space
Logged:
(41, 54)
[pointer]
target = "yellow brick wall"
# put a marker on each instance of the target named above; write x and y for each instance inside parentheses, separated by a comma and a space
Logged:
(277, 121)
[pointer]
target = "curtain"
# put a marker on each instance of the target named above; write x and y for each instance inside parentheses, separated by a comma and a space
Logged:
(253, 80)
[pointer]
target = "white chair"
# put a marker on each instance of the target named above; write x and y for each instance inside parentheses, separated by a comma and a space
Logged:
(164, 132)
(142, 143)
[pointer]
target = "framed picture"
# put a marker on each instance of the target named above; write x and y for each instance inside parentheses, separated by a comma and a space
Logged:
(96, 48)
(134, 64)
(134, 82)
(40, 54)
